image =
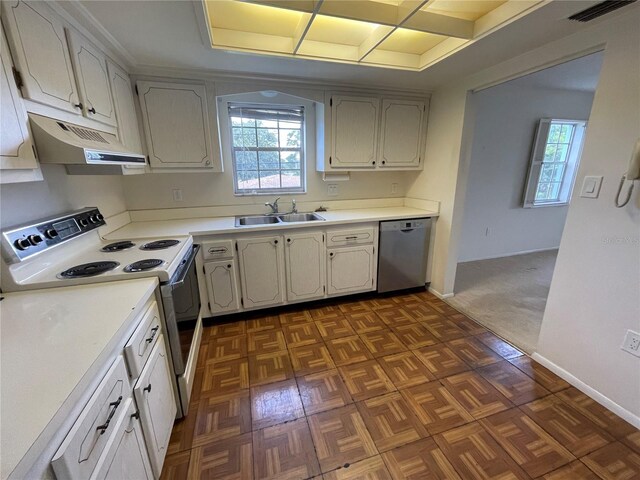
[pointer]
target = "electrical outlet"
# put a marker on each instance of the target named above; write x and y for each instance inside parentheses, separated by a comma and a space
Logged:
(394, 188)
(332, 190)
(177, 194)
(631, 343)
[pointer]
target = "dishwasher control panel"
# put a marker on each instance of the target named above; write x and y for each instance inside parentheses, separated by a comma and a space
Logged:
(404, 224)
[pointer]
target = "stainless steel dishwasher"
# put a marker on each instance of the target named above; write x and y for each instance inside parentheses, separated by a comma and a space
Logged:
(402, 260)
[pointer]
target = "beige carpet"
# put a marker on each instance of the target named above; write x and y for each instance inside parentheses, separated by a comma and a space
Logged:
(507, 295)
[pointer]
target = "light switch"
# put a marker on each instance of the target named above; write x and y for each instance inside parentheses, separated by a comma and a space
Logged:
(591, 187)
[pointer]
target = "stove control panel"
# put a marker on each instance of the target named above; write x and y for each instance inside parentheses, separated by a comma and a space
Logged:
(26, 240)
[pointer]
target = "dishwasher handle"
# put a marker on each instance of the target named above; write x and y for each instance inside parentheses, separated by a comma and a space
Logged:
(406, 230)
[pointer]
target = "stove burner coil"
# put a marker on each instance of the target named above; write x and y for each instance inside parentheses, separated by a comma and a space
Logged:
(89, 269)
(143, 265)
(118, 246)
(159, 244)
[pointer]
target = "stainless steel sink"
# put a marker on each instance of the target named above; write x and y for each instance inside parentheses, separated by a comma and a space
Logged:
(300, 217)
(256, 220)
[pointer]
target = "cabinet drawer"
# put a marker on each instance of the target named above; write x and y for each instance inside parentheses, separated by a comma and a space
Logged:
(338, 238)
(79, 453)
(139, 346)
(218, 249)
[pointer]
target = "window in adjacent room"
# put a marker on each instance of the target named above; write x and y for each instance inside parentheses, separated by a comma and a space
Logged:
(554, 162)
(267, 147)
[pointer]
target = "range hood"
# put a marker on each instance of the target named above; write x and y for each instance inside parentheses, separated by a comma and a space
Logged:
(83, 150)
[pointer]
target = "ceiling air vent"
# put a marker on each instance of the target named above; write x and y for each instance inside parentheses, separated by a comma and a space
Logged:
(599, 9)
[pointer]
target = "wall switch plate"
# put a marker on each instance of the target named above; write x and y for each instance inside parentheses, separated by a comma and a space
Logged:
(177, 194)
(332, 190)
(591, 187)
(394, 188)
(631, 343)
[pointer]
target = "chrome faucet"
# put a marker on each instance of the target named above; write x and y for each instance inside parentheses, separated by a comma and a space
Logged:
(273, 206)
(294, 207)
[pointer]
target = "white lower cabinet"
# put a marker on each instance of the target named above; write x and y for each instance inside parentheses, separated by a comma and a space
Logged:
(222, 286)
(261, 271)
(156, 404)
(304, 266)
(350, 269)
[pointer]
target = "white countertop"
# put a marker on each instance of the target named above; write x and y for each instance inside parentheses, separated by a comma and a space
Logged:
(53, 344)
(220, 225)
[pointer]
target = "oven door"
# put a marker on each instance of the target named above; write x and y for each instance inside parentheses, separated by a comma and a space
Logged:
(181, 302)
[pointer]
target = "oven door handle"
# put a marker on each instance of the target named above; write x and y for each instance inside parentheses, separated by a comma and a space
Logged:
(186, 266)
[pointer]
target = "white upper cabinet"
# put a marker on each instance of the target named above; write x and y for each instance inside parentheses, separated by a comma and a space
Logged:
(176, 124)
(354, 131)
(123, 102)
(16, 149)
(261, 271)
(41, 54)
(304, 260)
(401, 133)
(90, 65)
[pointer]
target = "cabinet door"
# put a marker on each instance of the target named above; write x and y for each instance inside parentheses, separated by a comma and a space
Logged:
(261, 271)
(125, 457)
(222, 285)
(90, 65)
(123, 102)
(304, 261)
(157, 404)
(16, 149)
(176, 124)
(350, 269)
(41, 54)
(354, 131)
(401, 133)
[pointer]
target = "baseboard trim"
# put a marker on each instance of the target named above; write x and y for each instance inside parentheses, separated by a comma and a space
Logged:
(514, 254)
(590, 391)
(441, 296)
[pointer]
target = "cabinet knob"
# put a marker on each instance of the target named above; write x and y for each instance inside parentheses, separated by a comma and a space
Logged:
(383, 162)
(92, 110)
(331, 255)
(373, 163)
(275, 242)
(229, 266)
(288, 240)
(78, 105)
(147, 388)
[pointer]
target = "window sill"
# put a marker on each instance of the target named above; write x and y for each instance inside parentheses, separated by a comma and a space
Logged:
(268, 194)
(543, 205)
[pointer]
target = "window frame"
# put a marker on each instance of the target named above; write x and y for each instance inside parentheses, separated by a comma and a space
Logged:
(537, 163)
(268, 99)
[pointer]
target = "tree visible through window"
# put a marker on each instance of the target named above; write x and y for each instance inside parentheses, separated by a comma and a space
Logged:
(554, 162)
(267, 144)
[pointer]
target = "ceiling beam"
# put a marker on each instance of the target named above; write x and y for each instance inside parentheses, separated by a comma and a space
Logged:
(378, 36)
(303, 27)
(439, 24)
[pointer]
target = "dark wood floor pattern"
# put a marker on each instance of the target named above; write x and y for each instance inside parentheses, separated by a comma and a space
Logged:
(394, 387)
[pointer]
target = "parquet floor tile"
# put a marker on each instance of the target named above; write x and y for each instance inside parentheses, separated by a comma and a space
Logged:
(420, 310)
(605, 419)
(404, 298)
(476, 395)
(325, 312)
(540, 374)
(266, 341)
(260, 324)
(227, 330)
(176, 466)
(323, 391)
(390, 421)
(528, 443)
(476, 455)
(441, 361)
(370, 469)
(473, 352)
(348, 350)
(302, 334)
(296, 317)
(227, 348)
(310, 358)
(284, 452)
(436, 407)
(467, 325)
(269, 367)
(365, 380)
(512, 383)
(502, 348)
(414, 335)
(574, 471)
(225, 377)
(405, 370)
(444, 330)
(182, 434)
(381, 303)
(354, 306)
(574, 431)
(221, 417)
(275, 403)
(228, 459)
(442, 307)
(615, 461)
(632, 441)
(420, 460)
(382, 343)
(340, 436)
(334, 327)
(395, 316)
(365, 322)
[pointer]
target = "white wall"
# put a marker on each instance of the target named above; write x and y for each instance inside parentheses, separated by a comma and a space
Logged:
(495, 224)
(58, 193)
(594, 295)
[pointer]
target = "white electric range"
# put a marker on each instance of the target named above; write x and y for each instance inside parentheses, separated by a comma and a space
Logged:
(67, 250)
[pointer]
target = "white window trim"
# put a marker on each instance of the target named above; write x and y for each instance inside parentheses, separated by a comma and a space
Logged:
(537, 157)
(274, 99)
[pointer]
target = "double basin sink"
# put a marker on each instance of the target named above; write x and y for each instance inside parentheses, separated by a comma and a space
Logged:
(276, 219)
